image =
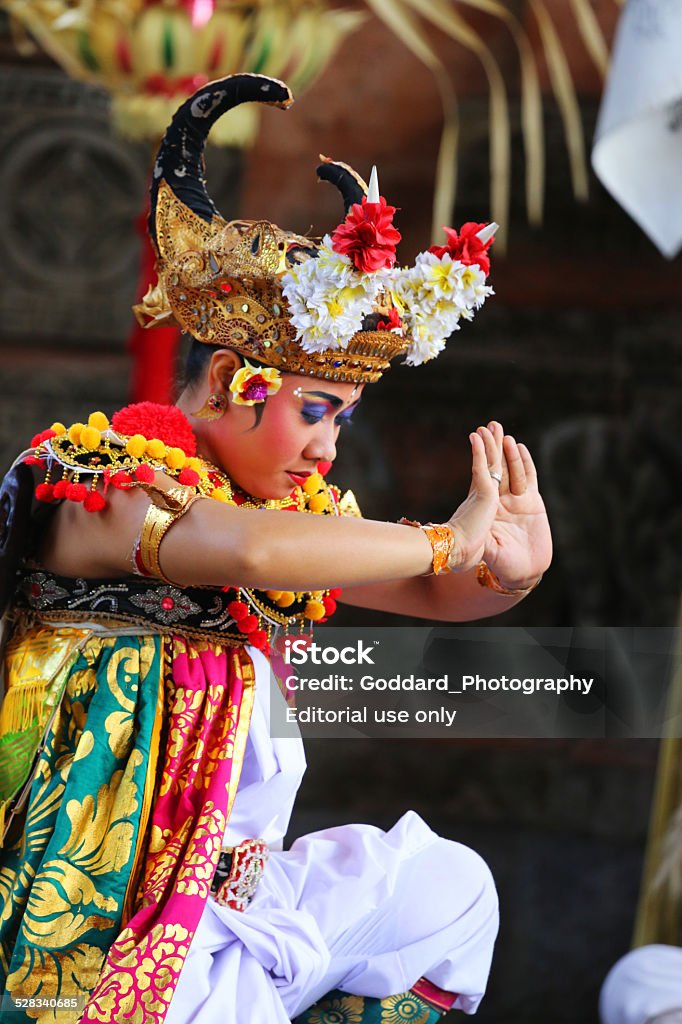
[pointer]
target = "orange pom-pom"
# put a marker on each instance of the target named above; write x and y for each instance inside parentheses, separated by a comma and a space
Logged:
(188, 477)
(145, 474)
(314, 610)
(45, 492)
(76, 492)
(94, 502)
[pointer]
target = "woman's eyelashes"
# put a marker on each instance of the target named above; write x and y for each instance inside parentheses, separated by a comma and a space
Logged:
(315, 414)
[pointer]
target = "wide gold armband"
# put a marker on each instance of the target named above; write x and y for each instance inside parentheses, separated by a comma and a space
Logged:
(166, 508)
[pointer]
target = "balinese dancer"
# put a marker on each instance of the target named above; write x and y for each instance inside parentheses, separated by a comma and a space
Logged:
(144, 801)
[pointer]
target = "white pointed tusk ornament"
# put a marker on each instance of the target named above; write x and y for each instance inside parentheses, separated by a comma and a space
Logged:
(373, 190)
(486, 233)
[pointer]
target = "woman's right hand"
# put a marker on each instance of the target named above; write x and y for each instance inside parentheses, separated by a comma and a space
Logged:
(473, 519)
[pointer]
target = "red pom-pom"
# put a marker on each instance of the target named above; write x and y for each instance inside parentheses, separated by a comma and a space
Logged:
(238, 610)
(324, 466)
(76, 492)
(121, 479)
(188, 477)
(249, 623)
(329, 605)
(151, 420)
(59, 492)
(44, 435)
(45, 492)
(94, 502)
(335, 592)
(31, 460)
(145, 474)
(259, 638)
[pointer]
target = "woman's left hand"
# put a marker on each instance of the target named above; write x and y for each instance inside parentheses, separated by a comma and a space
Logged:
(519, 545)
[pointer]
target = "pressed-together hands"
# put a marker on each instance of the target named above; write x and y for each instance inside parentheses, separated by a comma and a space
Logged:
(502, 523)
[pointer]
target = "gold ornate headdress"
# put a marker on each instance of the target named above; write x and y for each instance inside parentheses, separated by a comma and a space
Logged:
(339, 309)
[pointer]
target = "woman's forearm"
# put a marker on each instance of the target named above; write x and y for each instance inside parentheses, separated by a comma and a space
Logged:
(214, 545)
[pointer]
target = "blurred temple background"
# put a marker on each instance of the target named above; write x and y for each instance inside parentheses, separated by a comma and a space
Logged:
(578, 354)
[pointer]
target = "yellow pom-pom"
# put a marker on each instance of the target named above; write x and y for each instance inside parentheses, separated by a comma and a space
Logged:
(136, 446)
(318, 503)
(175, 458)
(58, 428)
(75, 432)
(194, 464)
(312, 484)
(314, 610)
(287, 598)
(98, 420)
(91, 438)
(219, 494)
(274, 595)
(156, 449)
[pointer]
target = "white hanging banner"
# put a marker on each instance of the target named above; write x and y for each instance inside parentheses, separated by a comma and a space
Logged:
(637, 152)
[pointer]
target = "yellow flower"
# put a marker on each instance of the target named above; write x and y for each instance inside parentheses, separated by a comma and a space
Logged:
(253, 384)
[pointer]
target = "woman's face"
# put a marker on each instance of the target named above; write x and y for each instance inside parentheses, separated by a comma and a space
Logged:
(270, 451)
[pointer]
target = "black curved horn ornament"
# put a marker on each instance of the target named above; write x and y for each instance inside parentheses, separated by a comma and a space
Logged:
(349, 183)
(180, 160)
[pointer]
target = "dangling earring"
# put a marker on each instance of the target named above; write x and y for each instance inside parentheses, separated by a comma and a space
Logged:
(213, 408)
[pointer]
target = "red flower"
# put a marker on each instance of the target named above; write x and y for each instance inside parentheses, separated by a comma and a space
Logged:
(151, 420)
(367, 235)
(466, 246)
(256, 389)
(392, 323)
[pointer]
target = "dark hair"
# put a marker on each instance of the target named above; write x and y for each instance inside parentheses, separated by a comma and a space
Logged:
(198, 358)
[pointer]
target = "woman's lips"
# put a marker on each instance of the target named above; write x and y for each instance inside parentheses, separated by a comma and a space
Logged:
(299, 478)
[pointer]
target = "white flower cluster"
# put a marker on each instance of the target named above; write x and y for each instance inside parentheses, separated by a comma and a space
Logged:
(328, 300)
(432, 297)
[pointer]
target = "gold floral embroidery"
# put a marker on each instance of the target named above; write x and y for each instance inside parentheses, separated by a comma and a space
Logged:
(197, 870)
(139, 980)
(337, 1010)
(404, 1007)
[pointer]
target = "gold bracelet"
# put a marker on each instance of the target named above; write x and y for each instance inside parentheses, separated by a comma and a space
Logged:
(157, 522)
(487, 578)
(442, 540)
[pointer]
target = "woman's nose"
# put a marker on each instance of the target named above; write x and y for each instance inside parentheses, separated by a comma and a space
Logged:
(322, 447)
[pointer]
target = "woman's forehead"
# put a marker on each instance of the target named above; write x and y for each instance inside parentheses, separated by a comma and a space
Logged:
(326, 390)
